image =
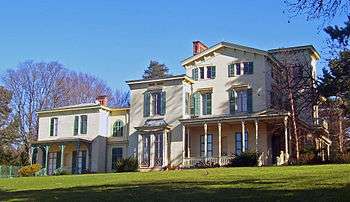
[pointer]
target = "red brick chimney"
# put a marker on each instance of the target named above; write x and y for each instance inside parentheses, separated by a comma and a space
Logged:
(102, 100)
(198, 47)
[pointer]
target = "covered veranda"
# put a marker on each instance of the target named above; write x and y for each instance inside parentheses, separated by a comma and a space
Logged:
(71, 155)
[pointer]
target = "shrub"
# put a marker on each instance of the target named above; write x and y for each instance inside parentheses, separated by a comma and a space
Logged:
(245, 159)
(29, 170)
(341, 158)
(127, 165)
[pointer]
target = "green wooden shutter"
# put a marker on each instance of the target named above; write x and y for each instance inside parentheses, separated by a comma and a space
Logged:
(195, 74)
(249, 100)
(58, 159)
(213, 72)
(231, 70)
(245, 68)
(195, 104)
(146, 104)
(52, 123)
(163, 103)
(83, 124)
(208, 103)
(76, 125)
(232, 101)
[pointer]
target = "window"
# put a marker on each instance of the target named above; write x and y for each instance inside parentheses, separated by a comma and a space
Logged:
(83, 124)
(195, 74)
(201, 72)
(76, 125)
(209, 145)
(158, 103)
(240, 101)
(211, 73)
(238, 68)
(239, 144)
(231, 70)
(53, 126)
(248, 67)
(117, 154)
(206, 103)
(158, 153)
(118, 128)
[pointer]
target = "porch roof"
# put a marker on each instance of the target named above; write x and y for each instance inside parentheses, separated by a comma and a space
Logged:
(266, 114)
(60, 141)
(153, 125)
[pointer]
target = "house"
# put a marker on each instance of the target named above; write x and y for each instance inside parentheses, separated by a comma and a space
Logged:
(227, 102)
(81, 138)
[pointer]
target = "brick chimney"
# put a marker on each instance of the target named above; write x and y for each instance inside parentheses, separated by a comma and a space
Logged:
(198, 47)
(102, 100)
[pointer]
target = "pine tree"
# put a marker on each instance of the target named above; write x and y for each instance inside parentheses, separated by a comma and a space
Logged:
(156, 70)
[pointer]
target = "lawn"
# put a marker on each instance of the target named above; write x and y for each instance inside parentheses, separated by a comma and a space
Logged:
(301, 183)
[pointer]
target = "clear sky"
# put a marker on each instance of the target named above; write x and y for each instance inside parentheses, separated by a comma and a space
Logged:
(115, 40)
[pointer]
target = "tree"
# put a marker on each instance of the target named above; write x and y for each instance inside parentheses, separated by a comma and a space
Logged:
(317, 9)
(155, 70)
(38, 86)
(120, 98)
(8, 130)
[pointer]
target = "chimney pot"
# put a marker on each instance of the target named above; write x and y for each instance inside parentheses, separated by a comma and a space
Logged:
(102, 100)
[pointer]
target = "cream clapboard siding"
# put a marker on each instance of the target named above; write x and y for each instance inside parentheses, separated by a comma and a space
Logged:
(222, 83)
(174, 111)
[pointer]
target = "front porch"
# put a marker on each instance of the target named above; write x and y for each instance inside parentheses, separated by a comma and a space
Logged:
(62, 155)
(217, 140)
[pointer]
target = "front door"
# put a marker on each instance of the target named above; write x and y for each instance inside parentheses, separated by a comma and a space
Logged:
(145, 161)
(276, 147)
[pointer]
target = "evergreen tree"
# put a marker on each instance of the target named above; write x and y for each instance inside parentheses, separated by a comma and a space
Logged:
(156, 70)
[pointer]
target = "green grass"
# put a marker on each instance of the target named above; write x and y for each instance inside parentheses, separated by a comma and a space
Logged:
(300, 183)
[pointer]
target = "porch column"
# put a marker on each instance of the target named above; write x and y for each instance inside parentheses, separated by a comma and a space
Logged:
(188, 143)
(205, 141)
(243, 136)
(328, 151)
(152, 150)
(219, 133)
(90, 156)
(62, 156)
(139, 148)
(183, 142)
(165, 154)
(47, 147)
(256, 135)
(286, 138)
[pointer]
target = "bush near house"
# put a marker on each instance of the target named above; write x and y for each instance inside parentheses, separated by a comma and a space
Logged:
(247, 158)
(127, 165)
(29, 170)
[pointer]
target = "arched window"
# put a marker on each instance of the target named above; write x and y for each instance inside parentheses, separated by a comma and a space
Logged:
(118, 128)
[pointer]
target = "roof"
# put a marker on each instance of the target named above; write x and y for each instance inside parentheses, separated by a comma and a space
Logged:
(153, 124)
(294, 48)
(81, 107)
(265, 114)
(60, 140)
(247, 49)
(167, 78)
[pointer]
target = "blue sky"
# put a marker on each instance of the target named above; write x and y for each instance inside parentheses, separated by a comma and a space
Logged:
(115, 40)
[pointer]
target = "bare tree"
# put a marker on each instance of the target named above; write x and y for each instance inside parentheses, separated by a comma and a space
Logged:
(294, 90)
(120, 98)
(318, 9)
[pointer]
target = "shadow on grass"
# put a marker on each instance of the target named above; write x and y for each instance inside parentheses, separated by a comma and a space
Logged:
(181, 191)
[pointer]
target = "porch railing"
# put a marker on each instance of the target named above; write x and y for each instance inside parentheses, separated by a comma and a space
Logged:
(8, 171)
(192, 161)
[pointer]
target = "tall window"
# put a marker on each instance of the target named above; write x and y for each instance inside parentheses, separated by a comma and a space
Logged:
(206, 103)
(117, 154)
(158, 153)
(239, 144)
(201, 72)
(248, 67)
(209, 145)
(83, 124)
(242, 101)
(53, 126)
(195, 74)
(211, 72)
(155, 99)
(118, 128)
